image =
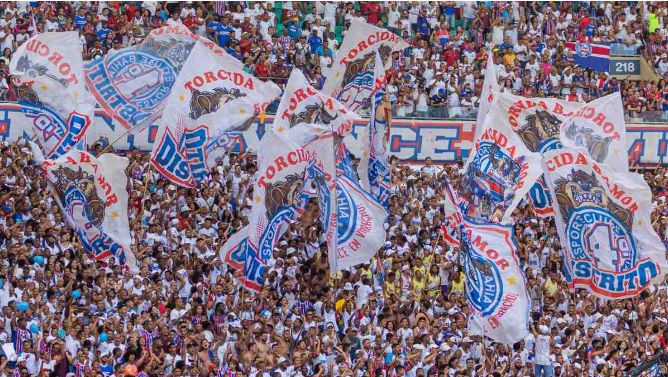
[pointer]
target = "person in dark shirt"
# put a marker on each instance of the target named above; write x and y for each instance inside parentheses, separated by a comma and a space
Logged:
(314, 41)
(224, 32)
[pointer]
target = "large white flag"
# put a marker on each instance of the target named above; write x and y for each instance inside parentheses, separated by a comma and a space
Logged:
(211, 97)
(501, 171)
(603, 221)
(375, 159)
(277, 196)
(51, 89)
(598, 128)
(537, 122)
(490, 85)
(301, 103)
(93, 196)
(495, 286)
(351, 78)
(132, 84)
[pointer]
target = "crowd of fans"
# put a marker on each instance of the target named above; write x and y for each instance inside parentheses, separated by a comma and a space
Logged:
(443, 68)
(401, 314)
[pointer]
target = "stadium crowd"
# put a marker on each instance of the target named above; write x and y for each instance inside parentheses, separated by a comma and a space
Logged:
(443, 68)
(402, 314)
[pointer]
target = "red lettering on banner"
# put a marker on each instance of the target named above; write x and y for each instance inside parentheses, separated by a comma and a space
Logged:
(210, 76)
(367, 43)
(298, 96)
(293, 158)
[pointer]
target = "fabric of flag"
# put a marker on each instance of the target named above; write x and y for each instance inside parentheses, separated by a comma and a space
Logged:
(377, 155)
(603, 221)
(351, 77)
(495, 285)
(276, 200)
(537, 122)
(590, 55)
(302, 103)
(132, 84)
(500, 172)
(598, 129)
(490, 86)
(92, 193)
(19, 337)
(453, 216)
(211, 97)
(51, 90)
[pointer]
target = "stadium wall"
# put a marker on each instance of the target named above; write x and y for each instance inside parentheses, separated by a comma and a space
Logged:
(411, 140)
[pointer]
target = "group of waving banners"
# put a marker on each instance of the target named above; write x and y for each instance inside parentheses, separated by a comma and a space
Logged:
(570, 160)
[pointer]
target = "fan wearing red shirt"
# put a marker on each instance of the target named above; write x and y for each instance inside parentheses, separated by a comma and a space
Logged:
(373, 13)
(450, 56)
(261, 69)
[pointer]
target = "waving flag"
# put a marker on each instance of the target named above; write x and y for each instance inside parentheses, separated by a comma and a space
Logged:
(92, 194)
(490, 86)
(590, 55)
(495, 286)
(351, 78)
(598, 128)
(211, 97)
(375, 160)
(276, 195)
(48, 71)
(133, 84)
(537, 121)
(453, 216)
(500, 172)
(301, 103)
(603, 220)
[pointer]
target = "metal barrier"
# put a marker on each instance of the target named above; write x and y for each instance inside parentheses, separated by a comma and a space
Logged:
(657, 366)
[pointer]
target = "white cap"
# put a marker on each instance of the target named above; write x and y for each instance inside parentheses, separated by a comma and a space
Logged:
(348, 287)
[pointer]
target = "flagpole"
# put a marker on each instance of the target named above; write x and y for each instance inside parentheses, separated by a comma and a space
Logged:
(111, 145)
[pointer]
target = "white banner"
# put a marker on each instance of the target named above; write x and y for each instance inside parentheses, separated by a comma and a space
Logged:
(603, 221)
(351, 78)
(211, 97)
(495, 284)
(598, 128)
(92, 193)
(490, 86)
(500, 173)
(51, 89)
(301, 103)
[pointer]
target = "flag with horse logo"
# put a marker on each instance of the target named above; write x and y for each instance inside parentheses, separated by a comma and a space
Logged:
(538, 121)
(211, 97)
(500, 172)
(48, 72)
(495, 285)
(302, 103)
(351, 79)
(132, 84)
(277, 196)
(599, 129)
(92, 193)
(603, 220)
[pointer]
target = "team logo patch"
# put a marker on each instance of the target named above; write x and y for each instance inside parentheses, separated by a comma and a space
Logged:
(584, 137)
(359, 77)
(599, 230)
(583, 49)
(489, 177)
(484, 285)
(541, 131)
(346, 214)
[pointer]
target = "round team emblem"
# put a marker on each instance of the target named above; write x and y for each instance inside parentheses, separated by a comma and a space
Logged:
(583, 49)
(141, 78)
(598, 236)
(347, 215)
(484, 287)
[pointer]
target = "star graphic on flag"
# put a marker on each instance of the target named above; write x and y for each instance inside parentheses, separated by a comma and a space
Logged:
(280, 129)
(615, 151)
(257, 199)
(76, 95)
(114, 215)
(242, 111)
(640, 222)
(366, 153)
(43, 87)
(337, 74)
(512, 280)
(182, 97)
